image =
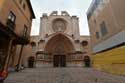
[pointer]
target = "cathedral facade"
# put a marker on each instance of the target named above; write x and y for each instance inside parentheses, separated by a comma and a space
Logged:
(59, 43)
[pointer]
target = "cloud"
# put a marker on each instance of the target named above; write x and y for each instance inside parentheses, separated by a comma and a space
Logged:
(74, 7)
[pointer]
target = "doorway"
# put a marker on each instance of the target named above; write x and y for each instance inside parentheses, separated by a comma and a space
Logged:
(59, 61)
(87, 61)
(31, 62)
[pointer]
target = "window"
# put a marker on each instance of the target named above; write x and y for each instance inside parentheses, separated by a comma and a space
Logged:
(95, 21)
(20, 1)
(11, 17)
(24, 6)
(97, 35)
(11, 21)
(25, 31)
(103, 28)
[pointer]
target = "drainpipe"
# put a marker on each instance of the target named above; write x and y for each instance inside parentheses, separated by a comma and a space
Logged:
(19, 59)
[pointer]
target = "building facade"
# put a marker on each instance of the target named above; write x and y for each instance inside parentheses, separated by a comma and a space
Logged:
(59, 43)
(106, 20)
(15, 26)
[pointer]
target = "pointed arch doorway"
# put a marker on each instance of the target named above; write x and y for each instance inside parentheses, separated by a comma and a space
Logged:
(59, 46)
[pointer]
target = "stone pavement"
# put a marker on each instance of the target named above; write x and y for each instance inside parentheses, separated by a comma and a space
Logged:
(63, 75)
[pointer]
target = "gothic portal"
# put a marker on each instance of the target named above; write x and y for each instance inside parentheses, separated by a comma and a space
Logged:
(59, 40)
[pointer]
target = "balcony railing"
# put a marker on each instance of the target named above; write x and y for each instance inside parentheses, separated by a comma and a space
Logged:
(22, 39)
(26, 36)
(10, 24)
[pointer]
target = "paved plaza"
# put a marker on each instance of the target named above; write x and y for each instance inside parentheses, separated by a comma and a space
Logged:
(62, 75)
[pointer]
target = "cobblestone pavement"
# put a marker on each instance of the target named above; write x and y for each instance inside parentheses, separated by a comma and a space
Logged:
(63, 75)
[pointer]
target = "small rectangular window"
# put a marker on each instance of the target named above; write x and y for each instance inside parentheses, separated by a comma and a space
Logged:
(103, 28)
(24, 6)
(25, 31)
(11, 20)
(20, 1)
(97, 35)
(12, 17)
(95, 21)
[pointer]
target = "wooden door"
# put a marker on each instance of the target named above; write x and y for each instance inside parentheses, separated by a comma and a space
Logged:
(56, 61)
(62, 61)
(59, 61)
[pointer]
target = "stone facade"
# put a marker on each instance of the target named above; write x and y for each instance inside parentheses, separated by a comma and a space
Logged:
(106, 20)
(108, 14)
(15, 26)
(59, 37)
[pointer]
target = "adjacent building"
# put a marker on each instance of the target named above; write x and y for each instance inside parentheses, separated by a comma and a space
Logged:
(15, 26)
(59, 43)
(106, 19)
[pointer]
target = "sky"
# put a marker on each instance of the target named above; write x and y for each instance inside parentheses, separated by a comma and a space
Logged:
(73, 7)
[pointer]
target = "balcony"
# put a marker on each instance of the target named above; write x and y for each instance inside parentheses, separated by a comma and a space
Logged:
(10, 24)
(23, 39)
